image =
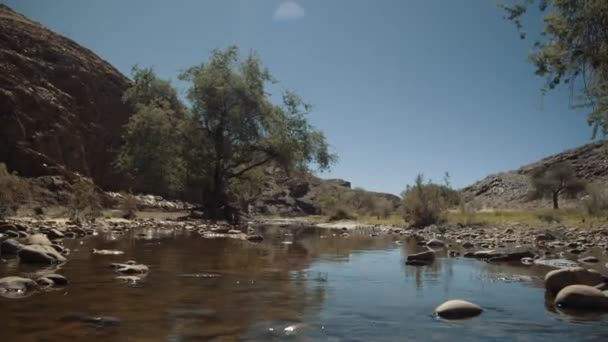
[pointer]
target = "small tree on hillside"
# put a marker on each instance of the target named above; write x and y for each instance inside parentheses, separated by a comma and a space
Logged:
(555, 180)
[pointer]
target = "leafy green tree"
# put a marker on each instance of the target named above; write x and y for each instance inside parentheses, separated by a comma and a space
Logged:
(244, 130)
(572, 50)
(555, 180)
(153, 148)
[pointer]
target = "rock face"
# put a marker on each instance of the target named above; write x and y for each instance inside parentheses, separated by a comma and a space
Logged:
(61, 104)
(558, 279)
(510, 189)
(582, 297)
(458, 309)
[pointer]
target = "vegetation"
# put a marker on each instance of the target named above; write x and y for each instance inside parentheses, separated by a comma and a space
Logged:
(595, 202)
(84, 202)
(129, 207)
(13, 192)
(556, 180)
(231, 129)
(572, 50)
(424, 204)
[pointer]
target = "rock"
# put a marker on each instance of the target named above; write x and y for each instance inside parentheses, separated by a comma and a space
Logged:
(424, 256)
(468, 244)
(10, 246)
(129, 279)
(255, 238)
(45, 282)
(133, 269)
(435, 243)
(581, 297)
(418, 262)
(558, 279)
(557, 263)
(123, 264)
(106, 252)
(453, 254)
(57, 279)
(99, 321)
(12, 233)
(576, 251)
(40, 254)
(5, 226)
(508, 254)
(589, 259)
(55, 234)
(458, 309)
(469, 255)
(544, 237)
(39, 239)
(16, 284)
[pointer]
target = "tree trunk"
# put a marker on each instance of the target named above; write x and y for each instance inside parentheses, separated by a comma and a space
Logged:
(555, 200)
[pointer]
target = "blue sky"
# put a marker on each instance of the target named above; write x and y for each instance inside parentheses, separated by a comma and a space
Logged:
(400, 87)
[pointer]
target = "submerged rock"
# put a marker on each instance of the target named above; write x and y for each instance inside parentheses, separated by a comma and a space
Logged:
(18, 284)
(133, 269)
(255, 238)
(558, 279)
(582, 297)
(40, 254)
(10, 246)
(424, 256)
(458, 309)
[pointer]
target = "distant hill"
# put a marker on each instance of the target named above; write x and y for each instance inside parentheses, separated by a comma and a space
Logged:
(509, 189)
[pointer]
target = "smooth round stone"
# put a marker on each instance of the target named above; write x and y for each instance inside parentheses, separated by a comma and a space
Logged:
(559, 279)
(582, 297)
(458, 309)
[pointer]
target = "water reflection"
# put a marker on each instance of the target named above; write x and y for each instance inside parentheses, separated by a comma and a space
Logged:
(319, 286)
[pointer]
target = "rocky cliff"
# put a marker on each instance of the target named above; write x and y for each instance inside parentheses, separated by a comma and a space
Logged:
(510, 189)
(60, 104)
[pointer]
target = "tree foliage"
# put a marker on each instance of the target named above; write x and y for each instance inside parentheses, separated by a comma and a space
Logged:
(556, 180)
(85, 202)
(230, 130)
(572, 50)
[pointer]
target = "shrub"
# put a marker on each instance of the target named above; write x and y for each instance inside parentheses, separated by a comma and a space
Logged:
(129, 207)
(595, 203)
(13, 191)
(469, 209)
(340, 214)
(85, 201)
(424, 204)
(549, 217)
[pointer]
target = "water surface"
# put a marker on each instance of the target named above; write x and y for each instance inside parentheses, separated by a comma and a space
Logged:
(299, 284)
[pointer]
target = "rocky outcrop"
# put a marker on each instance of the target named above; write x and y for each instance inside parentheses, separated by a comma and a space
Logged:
(61, 104)
(510, 189)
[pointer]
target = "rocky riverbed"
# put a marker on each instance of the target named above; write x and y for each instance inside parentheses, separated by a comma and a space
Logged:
(42, 258)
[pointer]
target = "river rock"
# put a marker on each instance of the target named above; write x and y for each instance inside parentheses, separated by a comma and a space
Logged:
(4, 227)
(558, 279)
(582, 297)
(468, 244)
(16, 284)
(458, 309)
(133, 269)
(435, 243)
(424, 256)
(10, 246)
(11, 233)
(255, 238)
(45, 282)
(40, 254)
(57, 279)
(55, 234)
(589, 259)
(39, 239)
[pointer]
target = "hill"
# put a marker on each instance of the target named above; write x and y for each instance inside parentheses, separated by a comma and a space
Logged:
(510, 189)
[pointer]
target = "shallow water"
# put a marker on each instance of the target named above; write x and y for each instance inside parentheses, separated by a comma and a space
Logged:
(299, 284)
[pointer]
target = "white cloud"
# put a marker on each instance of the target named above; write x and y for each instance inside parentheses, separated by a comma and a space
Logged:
(289, 10)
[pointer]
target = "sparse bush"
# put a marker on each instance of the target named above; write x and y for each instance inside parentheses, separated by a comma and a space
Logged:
(424, 204)
(383, 208)
(555, 180)
(84, 202)
(595, 202)
(129, 207)
(13, 191)
(549, 217)
(469, 209)
(340, 214)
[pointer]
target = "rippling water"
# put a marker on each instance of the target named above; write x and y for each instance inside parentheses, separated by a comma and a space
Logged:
(299, 284)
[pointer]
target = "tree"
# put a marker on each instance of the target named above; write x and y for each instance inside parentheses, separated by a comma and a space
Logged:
(555, 180)
(13, 191)
(573, 50)
(153, 148)
(243, 129)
